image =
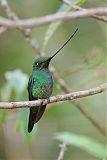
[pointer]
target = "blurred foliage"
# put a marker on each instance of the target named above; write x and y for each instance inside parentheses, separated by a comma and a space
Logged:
(83, 142)
(14, 89)
(81, 64)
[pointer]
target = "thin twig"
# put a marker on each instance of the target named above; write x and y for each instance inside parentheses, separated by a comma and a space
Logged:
(100, 11)
(62, 151)
(78, 8)
(25, 31)
(39, 102)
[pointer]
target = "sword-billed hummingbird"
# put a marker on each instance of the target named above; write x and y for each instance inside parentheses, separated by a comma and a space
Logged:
(40, 85)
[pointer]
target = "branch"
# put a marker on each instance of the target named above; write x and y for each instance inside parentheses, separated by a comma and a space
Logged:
(39, 102)
(101, 11)
(78, 8)
(25, 31)
(62, 151)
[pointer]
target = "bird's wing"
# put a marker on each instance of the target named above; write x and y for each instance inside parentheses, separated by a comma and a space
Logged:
(30, 87)
(35, 113)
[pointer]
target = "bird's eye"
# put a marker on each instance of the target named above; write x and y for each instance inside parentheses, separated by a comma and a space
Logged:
(37, 63)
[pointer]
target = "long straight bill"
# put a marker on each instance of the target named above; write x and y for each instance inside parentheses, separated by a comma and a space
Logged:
(64, 44)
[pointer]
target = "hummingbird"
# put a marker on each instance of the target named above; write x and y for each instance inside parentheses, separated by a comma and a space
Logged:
(40, 85)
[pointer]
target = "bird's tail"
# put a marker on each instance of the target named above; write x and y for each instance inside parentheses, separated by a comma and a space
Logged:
(34, 116)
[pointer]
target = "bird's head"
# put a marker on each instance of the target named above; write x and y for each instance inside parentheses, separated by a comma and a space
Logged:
(43, 62)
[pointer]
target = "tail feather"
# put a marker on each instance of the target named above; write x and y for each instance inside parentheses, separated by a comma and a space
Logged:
(40, 112)
(35, 115)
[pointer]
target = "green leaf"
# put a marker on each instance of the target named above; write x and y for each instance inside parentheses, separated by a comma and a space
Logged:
(17, 80)
(53, 26)
(87, 144)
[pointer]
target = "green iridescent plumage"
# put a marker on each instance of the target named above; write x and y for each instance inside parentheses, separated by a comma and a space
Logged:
(40, 85)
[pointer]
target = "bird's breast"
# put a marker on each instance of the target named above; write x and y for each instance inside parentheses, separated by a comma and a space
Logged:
(42, 85)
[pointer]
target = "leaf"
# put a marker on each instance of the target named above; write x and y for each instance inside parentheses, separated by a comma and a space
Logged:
(17, 80)
(87, 144)
(53, 26)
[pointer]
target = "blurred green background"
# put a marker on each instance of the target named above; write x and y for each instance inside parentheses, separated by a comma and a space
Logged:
(81, 64)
